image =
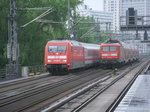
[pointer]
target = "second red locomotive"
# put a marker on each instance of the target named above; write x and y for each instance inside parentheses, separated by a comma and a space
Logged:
(114, 53)
(64, 55)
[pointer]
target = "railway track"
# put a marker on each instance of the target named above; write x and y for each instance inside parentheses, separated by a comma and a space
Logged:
(76, 106)
(24, 83)
(17, 83)
(48, 93)
(144, 69)
(22, 100)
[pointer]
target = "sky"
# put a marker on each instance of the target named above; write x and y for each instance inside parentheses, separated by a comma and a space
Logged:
(95, 4)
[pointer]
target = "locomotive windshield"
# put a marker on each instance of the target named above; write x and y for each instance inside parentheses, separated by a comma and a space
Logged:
(57, 48)
(105, 48)
(109, 48)
(113, 48)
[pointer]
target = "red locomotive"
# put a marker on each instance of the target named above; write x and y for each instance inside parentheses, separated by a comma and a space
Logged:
(64, 55)
(114, 53)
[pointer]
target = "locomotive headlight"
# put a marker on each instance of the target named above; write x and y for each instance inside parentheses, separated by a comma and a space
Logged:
(64, 60)
(113, 54)
(104, 54)
(49, 61)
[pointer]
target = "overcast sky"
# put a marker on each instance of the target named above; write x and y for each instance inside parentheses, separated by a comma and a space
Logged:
(94, 4)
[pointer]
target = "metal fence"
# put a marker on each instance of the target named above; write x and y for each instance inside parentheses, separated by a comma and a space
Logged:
(34, 70)
(141, 20)
(2, 73)
(15, 71)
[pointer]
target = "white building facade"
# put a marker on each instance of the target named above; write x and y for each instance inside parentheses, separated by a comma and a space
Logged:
(105, 19)
(113, 7)
(119, 7)
(142, 7)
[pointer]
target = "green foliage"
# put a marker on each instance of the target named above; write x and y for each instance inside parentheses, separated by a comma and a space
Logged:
(4, 10)
(32, 42)
(90, 33)
(33, 38)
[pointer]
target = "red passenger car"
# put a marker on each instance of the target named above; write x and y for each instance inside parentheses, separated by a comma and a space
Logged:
(114, 53)
(64, 55)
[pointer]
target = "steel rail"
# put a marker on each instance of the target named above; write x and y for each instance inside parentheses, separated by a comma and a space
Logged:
(21, 80)
(66, 99)
(63, 101)
(37, 93)
(69, 97)
(30, 91)
(77, 109)
(123, 93)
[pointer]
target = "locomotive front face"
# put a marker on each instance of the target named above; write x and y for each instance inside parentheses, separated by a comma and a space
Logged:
(56, 56)
(109, 52)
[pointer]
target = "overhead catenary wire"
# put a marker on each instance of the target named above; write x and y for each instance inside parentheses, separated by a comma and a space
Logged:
(88, 31)
(49, 21)
(54, 22)
(40, 16)
(31, 9)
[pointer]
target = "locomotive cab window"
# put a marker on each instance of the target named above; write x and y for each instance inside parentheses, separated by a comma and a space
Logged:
(105, 48)
(57, 48)
(109, 48)
(113, 48)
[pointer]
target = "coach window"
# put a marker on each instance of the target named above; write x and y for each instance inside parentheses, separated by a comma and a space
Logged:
(113, 48)
(105, 48)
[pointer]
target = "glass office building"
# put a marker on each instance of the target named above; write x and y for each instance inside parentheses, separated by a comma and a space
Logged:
(142, 7)
(119, 7)
(113, 6)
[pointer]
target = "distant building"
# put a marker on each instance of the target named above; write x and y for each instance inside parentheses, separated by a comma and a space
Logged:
(119, 7)
(142, 7)
(104, 18)
(143, 47)
(113, 7)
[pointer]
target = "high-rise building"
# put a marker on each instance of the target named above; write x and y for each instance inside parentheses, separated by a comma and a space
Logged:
(114, 7)
(141, 6)
(119, 7)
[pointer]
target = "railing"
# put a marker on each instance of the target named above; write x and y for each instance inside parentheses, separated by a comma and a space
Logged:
(140, 21)
(8, 74)
(35, 70)
(2, 73)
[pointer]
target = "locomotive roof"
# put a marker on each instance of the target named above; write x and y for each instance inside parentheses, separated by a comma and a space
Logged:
(76, 43)
(110, 41)
(73, 42)
(62, 41)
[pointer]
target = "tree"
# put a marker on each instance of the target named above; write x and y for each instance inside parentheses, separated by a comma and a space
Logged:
(32, 39)
(4, 11)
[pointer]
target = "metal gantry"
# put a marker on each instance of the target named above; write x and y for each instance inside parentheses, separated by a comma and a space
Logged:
(13, 67)
(13, 47)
